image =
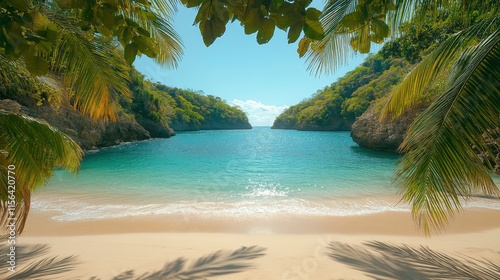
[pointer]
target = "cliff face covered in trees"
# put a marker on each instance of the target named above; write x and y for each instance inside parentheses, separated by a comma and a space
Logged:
(181, 109)
(152, 110)
(337, 106)
(355, 100)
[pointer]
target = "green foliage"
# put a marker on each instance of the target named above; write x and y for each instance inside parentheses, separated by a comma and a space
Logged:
(193, 111)
(17, 83)
(362, 22)
(147, 102)
(30, 33)
(28, 166)
(81, 40)
(261, 16)
(377, 88)
(350, 25)
(441, 164)
(337, 106)
(178, 108)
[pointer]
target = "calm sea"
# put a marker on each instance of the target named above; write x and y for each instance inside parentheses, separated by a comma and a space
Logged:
(241, 172)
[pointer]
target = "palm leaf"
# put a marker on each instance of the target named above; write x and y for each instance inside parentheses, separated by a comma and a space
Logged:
(410, 91)
(160, 28)
(326, 55)
(93, 68)
(440, 164)
(34, 149)
(169, 43)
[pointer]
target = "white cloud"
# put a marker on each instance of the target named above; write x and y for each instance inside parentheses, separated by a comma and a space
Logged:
(259, 114)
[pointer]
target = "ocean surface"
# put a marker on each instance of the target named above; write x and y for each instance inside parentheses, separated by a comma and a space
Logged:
(229, 173)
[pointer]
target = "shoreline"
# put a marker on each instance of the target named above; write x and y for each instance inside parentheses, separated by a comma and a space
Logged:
(70, 206)
(387, 223)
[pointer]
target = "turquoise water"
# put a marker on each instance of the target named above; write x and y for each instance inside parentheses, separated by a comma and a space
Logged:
(227, 173)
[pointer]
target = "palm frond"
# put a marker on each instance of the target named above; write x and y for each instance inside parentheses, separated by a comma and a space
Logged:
(333, 51)
(34, 149)
(169, 42)
(410, 91)
(405, 11)
(160, 28)
(92, 68)
(325, 56)
(441, 164)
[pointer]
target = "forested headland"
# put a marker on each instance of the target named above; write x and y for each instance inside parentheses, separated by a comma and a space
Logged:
(150, 110)
(354, 101)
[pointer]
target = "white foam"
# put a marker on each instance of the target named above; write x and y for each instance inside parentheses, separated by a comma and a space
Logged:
(71, 209)
(263, 190)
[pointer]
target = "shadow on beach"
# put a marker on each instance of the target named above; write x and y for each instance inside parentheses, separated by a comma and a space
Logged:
(32, 262)
(388, 261)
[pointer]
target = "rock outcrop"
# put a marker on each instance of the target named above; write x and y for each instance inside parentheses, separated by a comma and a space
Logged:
(87, 133)
(371, 133)
(368, 132)
(156, 130)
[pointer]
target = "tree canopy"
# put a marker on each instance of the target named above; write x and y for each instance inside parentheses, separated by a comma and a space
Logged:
(337, 106)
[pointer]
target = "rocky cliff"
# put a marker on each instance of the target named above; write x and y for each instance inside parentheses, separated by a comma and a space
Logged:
(85, 132)
(371, 133)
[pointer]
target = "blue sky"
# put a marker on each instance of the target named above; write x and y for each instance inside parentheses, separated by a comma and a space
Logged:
(262, 79)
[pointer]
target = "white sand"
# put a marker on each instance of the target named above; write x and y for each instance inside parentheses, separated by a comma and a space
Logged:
(109, 248)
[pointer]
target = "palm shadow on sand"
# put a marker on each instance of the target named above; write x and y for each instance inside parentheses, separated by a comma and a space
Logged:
(32, 263)
(385, 261)
(215, 264)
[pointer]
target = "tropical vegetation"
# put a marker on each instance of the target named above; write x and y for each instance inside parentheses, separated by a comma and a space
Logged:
(441, 163)
(337, 106)
(180, 109)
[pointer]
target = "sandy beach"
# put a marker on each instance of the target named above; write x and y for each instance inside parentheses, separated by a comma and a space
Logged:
(381, 246)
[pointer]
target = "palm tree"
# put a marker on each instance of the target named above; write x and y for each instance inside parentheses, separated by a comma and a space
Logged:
(42, 37)
(29, 151)
(440, 162)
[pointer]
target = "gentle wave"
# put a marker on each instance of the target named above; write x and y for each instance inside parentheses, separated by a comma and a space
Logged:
(71, 210)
